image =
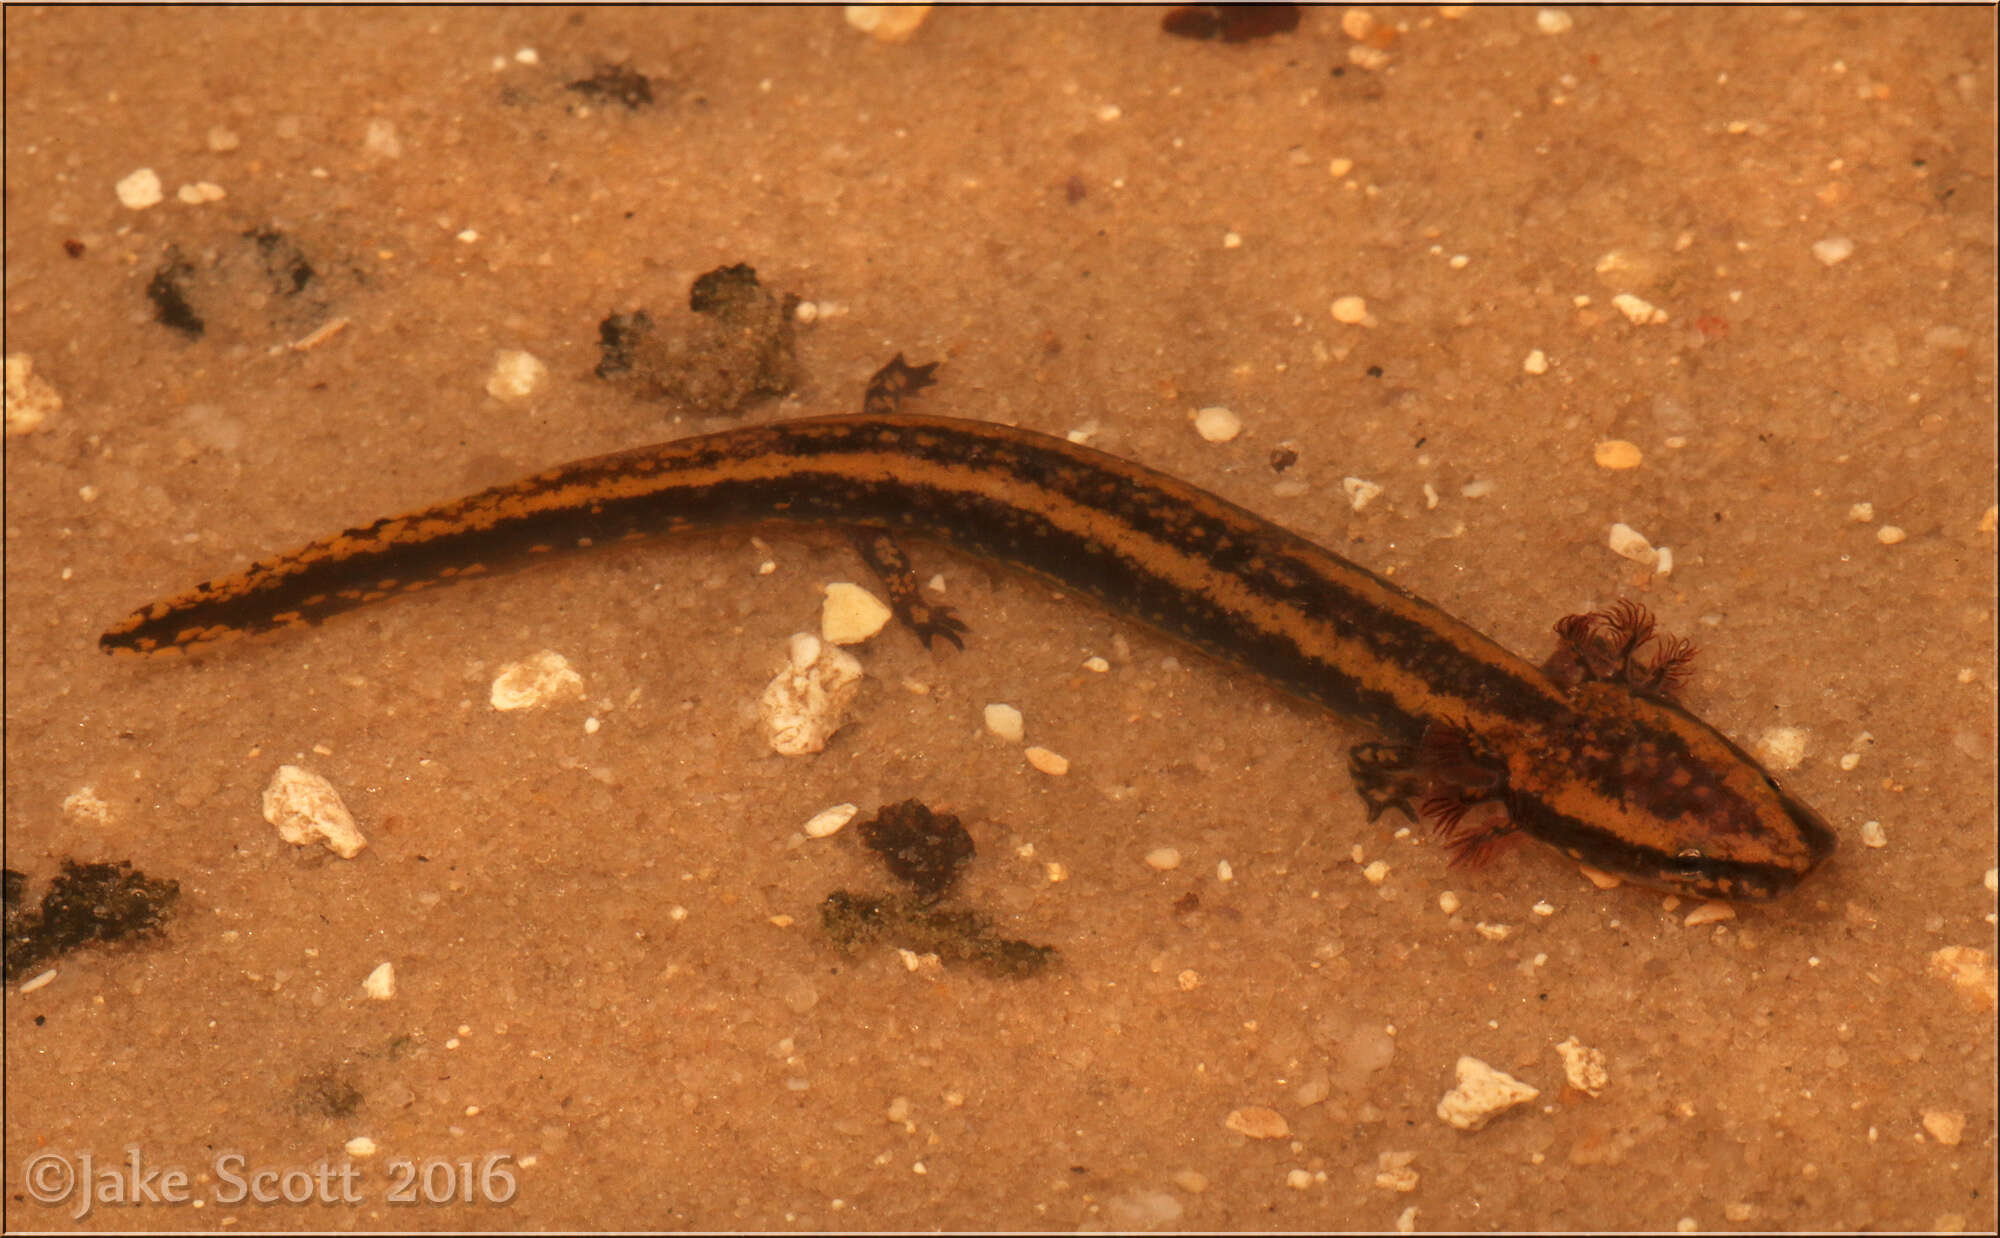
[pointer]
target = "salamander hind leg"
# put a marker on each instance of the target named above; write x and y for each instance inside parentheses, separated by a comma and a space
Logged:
(887, 390)
(893, 382)
(929, 620)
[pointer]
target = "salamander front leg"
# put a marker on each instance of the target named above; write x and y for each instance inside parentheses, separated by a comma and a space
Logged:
(1386, 776)
(1441, 780)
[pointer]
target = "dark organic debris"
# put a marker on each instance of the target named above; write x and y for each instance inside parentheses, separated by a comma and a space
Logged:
(284, 261)
(739, 347)
(616, 84)
(853, 920)
(922, 848)
(167, 290)
(85, 903)
(617, 337)
(1230, 23)
(327, 1093)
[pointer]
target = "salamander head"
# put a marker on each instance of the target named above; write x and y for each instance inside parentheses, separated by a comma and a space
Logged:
(1644, 789)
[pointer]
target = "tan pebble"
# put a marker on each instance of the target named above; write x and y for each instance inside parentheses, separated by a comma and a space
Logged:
(1257, 1122)
(887, 23)
(1583, 1067)
(1051, 763)
(1944, 1125)
(1709, 913)
(1616, 453)
(1970, 972)
(1599, 878)
(851, 614)
(1163, 858)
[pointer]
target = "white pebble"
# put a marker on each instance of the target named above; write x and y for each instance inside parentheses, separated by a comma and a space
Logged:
(1360, 493)
(1782, 748)
(1834, 249)
(535, 682)
(1217, 424)
(515, 374)
(381, 983)
(200, 192)
(140, 190)
(31, 399)
(1481, 1094)
(85, 805)
(802, 707)
(306, 809)
(381, 139)
(1628, 543)
(828, 822)
(1641, 311)
(1005, 722)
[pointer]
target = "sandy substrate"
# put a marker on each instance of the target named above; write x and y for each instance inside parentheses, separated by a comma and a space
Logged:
(1450, 257)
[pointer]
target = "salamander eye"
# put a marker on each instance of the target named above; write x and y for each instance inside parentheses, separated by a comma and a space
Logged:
(1689, 862)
